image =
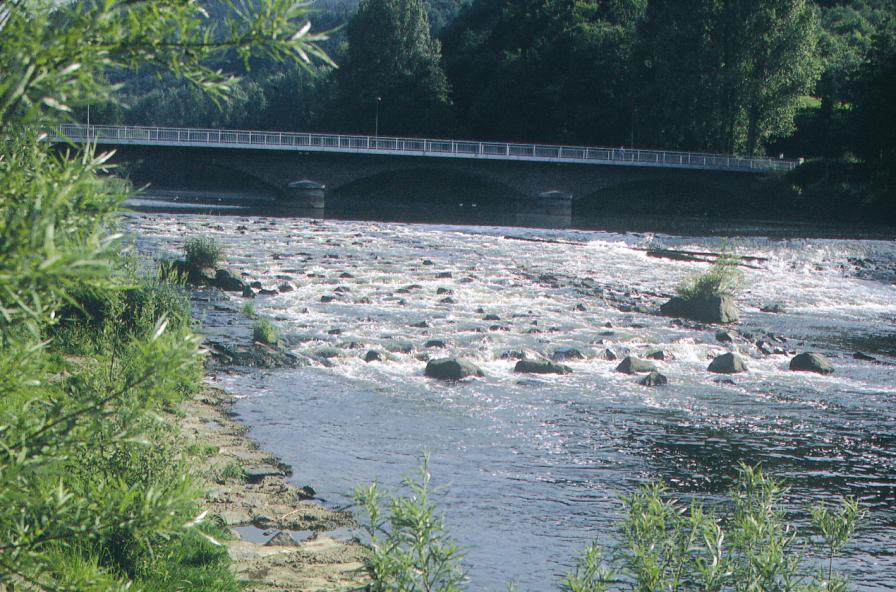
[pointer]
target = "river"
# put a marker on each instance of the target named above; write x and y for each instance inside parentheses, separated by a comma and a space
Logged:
(534, 466)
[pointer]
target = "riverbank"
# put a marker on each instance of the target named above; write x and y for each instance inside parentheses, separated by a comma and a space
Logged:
(283, 540)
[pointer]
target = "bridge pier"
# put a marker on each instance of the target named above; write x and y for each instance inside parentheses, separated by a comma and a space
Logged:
(305, 194)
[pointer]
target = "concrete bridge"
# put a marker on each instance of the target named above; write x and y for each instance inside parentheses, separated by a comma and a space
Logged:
(317, 170)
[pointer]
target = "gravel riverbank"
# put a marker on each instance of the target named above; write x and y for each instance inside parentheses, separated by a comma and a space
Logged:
(282, 539)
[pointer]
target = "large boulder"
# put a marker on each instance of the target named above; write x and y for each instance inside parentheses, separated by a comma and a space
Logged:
(811, 362)
(711, 309)
(632, 365)
(540, 367)
(727, 364)
(451, 369)
(228, 281)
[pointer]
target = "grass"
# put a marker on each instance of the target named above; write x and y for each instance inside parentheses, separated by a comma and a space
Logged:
(723, 279)
(232, 470)
(202, 252)
(249, 309)
(264, 331)
(202, 450)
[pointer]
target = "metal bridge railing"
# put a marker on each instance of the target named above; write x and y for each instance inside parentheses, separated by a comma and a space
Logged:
(169, 136)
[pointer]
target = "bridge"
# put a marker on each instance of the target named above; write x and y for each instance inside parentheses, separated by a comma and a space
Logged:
(296, 167)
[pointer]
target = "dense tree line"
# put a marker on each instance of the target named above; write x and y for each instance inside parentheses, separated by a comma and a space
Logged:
(806, 78)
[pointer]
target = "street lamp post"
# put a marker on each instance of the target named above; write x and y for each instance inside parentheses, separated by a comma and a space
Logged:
(376, 124)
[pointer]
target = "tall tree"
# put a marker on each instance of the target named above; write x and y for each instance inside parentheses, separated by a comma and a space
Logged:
(875, 106)
(392, 68)
(544, 70)
(727, 75)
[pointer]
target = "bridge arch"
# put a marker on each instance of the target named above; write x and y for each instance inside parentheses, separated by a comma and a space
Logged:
(427, 184)
(660, 195)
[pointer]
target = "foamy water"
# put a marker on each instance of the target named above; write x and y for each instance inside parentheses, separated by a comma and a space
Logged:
(534, 465)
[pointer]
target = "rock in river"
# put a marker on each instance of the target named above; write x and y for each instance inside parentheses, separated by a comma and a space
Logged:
(228, 281)
(811, 362)
(566, 353)
(711, 309)
(540, 367)
(451, 369)
(373, 355)
(654, 379)
(727, 364)
(631, 365)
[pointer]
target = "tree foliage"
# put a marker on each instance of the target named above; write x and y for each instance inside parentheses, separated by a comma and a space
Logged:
(876, 104)
(392, 66)
(95, 492)
(727, 76)
(544, 71)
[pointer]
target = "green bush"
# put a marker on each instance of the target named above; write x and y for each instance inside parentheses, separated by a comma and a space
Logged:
(201, 252)
(723, 279)
(745, 543)
(95, 490)
(410, 550)
(264, 331)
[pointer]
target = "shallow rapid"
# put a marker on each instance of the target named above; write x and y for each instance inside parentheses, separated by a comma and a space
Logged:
(534, 465)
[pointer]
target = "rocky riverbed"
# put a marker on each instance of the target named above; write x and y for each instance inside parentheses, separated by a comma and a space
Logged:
(537, 454)
(283, 539)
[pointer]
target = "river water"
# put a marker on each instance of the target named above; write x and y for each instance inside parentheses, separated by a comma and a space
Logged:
(534, 466)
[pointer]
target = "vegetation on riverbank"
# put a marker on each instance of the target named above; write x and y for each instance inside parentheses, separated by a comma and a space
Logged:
(745, 542)
(95, 487)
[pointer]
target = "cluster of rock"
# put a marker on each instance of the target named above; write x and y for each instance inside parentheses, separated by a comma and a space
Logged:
(727, 363)
(459, 369)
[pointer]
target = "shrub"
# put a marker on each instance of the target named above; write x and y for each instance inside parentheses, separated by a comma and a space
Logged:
(94, 490)
(747, 545)
(723, 279)
(265, 332)
(410, 550)
(743, 543)
(202, 251)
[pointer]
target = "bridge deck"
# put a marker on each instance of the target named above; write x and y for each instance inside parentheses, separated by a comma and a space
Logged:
(302, 142)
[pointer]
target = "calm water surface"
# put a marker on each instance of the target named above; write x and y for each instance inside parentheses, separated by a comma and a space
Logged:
(534, 466)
